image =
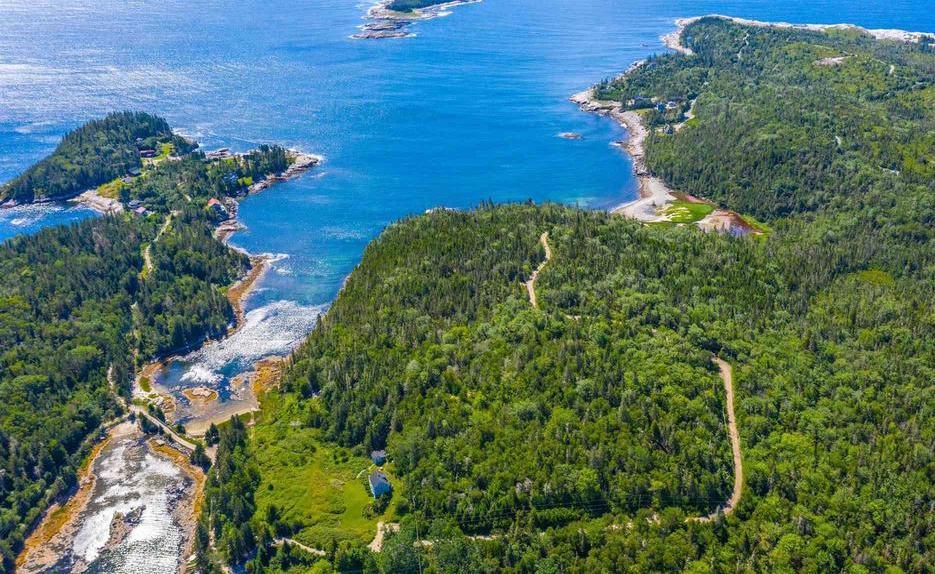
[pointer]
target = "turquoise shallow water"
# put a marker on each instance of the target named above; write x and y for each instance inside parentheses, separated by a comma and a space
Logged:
(468, 110)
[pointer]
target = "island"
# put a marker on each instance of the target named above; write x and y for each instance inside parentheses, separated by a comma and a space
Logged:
(551, 389)
(392, 18)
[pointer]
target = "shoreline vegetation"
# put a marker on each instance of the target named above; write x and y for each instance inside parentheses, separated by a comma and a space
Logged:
(504, 421)
(170, 283)
(392, 18)
(658, 202)
(494, 432)
(237, 295)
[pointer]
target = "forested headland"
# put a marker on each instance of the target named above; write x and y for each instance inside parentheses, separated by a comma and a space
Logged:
(81, 306)
(95, 153)
(586, 434)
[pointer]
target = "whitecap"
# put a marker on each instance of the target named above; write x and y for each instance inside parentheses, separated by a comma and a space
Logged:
(199, 375)
(275, 329)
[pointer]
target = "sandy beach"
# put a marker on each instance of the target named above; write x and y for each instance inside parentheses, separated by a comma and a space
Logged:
(238, 292)
(655, 195)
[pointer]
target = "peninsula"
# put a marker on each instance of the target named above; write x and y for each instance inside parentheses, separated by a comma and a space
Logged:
(87, 305)
(655, 111)
(531, 388)
(568, 390)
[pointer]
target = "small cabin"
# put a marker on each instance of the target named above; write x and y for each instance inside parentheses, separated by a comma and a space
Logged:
(378, 457)
(223, 153)
(217, 207)
(148, 153)
(639, 102)
(379, 484)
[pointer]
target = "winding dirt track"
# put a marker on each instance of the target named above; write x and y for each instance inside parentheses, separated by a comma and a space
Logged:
(147, 257)
(313, 551)
(727, 375)
(531, 284)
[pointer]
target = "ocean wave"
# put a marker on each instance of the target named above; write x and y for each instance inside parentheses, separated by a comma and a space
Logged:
(275, 329)
(342, 233)
(199, 375)
(30, 213)
(34, 127)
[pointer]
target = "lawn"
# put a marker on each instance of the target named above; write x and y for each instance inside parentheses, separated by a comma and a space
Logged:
(680, 211)
(319, 486)
(111, 189)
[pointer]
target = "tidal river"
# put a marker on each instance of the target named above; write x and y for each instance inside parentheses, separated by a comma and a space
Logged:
(469, 109)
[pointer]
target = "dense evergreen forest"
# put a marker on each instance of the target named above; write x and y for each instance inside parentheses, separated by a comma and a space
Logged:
(410, 5)
(79, 302)
(95, 153)
(581, 435)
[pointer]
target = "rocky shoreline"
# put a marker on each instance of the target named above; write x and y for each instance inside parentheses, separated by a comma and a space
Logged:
(654, 193)
(656, 197)
(60, 520)
(877, 33)
(385, 23)
(51, 544)
(103, 205)
(237, 295)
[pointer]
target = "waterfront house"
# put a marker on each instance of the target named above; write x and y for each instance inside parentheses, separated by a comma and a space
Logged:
(639, 102)
(378, 457)
(217, 208)
(223, 153)
(379, 484)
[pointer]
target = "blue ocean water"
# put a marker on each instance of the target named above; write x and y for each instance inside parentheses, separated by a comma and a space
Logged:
(466, 111)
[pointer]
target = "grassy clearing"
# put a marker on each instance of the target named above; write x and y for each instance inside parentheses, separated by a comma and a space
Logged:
(757, 225)
(876, 277)
(318, 486)
(680, 211)
(111, 189)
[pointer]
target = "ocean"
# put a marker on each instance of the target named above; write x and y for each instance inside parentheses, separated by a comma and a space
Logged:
(468, 110)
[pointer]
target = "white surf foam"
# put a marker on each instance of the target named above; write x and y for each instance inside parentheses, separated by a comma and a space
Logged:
(275, 329)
